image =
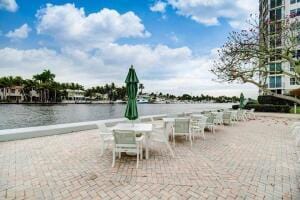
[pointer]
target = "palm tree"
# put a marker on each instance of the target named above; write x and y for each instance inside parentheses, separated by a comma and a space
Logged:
(141, 87)
(29, 86)
(45, 80)
(4, 84)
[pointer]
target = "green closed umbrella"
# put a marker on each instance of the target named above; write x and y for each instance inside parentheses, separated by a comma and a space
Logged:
(242, 99)
(132, 89)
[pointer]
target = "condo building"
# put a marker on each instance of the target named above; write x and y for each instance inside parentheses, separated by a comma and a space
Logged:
(271, 15)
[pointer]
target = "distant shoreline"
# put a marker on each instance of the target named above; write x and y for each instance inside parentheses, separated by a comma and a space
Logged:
(89, 103)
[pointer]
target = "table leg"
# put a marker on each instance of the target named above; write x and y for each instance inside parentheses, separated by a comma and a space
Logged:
(147, 146)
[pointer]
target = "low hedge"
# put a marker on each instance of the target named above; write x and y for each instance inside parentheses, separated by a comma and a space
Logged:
(273, 100)
(235, 107)
(269, 108)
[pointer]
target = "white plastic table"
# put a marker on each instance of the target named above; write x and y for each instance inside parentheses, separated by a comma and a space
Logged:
(145, 129)
(197, 115)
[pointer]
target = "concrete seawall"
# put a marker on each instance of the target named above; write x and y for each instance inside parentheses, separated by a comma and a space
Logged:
(40, 131)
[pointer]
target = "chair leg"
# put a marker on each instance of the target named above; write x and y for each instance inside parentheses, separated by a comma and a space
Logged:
(141, 149)
(173, 139)
(102, 148)
(114, 158)
(119, 155)
(170, 149)
(203, 134)
(137, 158)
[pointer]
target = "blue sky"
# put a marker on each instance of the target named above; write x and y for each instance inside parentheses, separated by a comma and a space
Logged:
(172, 43)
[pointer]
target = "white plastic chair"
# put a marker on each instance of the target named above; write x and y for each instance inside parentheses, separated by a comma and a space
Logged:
(227, 118)
(126, 141)
(210, 122)
(198, 125)
(241, 115)
(181, 127)
(161, 136)
(250, 114)
(218, 118)
(106, 136)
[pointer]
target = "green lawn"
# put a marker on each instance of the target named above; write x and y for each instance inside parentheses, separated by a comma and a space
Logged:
(298, 110)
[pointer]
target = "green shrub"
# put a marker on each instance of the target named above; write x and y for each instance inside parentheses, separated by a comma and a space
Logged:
(273, 101)
(269, 108)
(235, 107)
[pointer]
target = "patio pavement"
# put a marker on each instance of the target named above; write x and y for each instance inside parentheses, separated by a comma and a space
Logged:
(252, 160)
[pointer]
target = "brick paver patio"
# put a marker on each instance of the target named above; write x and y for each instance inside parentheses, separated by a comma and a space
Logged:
(251, 160)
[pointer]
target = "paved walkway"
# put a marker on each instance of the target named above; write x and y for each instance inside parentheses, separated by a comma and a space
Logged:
(251, 160)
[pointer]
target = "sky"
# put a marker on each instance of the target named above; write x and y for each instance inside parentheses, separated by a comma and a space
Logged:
(171, 43)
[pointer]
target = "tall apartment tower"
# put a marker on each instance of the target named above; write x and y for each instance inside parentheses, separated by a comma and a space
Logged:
(271, 15)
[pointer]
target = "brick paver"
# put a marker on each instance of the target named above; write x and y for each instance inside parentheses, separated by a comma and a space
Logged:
(252, 160)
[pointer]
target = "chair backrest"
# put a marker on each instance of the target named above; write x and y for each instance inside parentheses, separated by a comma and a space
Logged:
(219, 115)
(241, 112)
(103, 128)
(203, 120)
(194, 122)
(227, 115)
(124, 137)
(210, 118)
(182, 125)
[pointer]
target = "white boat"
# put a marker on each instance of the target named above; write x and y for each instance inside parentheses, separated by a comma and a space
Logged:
(142, 100)
(120, 102)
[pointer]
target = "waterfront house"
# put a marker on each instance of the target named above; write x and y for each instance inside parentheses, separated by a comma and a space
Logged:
(143, 98)
(99, 96)
(12, 94)
(34, 96)
(74, 96)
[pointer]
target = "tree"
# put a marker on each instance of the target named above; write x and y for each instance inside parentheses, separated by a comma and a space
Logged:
(45, 80)
(29, 85)
(246, 56)
(141, 87)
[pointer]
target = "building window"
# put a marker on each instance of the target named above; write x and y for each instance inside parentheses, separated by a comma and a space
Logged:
(294, 81)
(276, 57)
(276, 3)
(295, 12)
(294, 1)
(275, 14)
(275, 68)
(275, 41)
(275, 82)
(296, 54)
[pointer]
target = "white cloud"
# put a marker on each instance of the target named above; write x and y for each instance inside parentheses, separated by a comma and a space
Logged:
(159, 6)
(66, 23)
(160, 68)
(89, 54)
(9, 5)
(19, 33)
(209, 12)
